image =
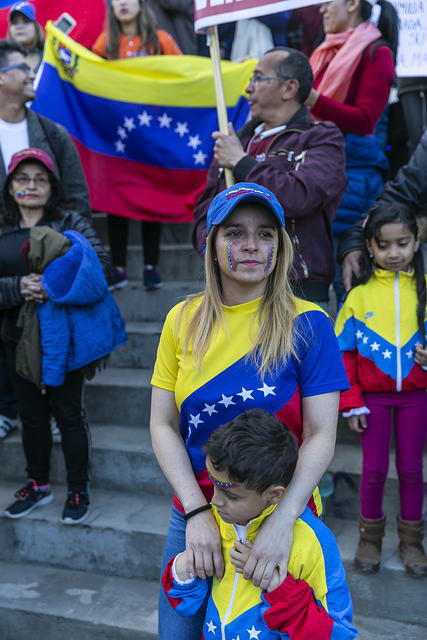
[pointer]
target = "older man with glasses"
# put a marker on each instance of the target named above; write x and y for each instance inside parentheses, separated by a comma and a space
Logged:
(302, 161)
(21, 128)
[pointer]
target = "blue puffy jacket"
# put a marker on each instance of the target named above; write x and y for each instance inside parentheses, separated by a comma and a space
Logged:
(80, 322)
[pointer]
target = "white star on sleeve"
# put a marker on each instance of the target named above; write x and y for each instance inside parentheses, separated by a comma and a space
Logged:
(365, 339)
(195, 420)
(375, 346)
(129, 124)
(226, 400)
(246, 395)
(120, 146)
(410, 353)
(267, 391)
(144, 119)
(164, 121)
(200, 157)
(194, 142)
(181, 129)
(359, 334)
(211, 626)
(122, 133)
(238, 638)
(253, 633)
(210, 408)
(387, 354)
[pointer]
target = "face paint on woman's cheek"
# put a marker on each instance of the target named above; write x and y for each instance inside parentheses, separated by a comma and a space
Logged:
(229, 256)
(271, 257)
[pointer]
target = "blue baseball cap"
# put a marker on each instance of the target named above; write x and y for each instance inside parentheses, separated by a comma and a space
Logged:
(226, 201)
(27, 9)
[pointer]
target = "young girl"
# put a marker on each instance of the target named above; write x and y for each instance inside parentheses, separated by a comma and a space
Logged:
(132, 32)
(26, 31)
(382, 334)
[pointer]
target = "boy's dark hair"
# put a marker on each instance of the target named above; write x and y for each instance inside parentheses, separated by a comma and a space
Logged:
(295, 65)
(254, 449)
(382, 213)
(7, 47)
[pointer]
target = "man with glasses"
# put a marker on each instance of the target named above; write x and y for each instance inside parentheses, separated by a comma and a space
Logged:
(300, 160)
(21, 128)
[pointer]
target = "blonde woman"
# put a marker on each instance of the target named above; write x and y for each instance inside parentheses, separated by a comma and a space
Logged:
(244, 342)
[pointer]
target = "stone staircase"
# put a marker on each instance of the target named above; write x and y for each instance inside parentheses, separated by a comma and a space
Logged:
(100, 579)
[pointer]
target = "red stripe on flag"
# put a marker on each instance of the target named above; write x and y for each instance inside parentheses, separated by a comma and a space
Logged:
(136, 190)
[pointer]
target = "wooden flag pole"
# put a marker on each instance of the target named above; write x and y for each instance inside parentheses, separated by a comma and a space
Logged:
(213, 44)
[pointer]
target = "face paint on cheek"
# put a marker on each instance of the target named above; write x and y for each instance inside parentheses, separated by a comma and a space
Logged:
(271, 256)
(229, 251)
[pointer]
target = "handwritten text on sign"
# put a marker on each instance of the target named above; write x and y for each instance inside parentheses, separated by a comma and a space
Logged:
(412, 52)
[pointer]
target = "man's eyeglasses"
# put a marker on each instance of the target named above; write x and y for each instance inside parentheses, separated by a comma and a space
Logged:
(19, 65)
(257, 78)
(23, 181)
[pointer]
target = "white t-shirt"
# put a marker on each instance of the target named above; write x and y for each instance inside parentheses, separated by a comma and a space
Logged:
(13, 138)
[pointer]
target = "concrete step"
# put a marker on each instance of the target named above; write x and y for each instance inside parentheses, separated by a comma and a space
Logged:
(141, 347)
(47, 603)
(176, 262)
(119, 396)
(122, 459)
(171, 233)
(375, 628)
(124, 534)
(139, 305)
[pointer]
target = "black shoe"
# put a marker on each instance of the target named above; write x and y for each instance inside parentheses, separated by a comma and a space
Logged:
(29, 497)
(152, 279)
(118, 279)
(76, 507)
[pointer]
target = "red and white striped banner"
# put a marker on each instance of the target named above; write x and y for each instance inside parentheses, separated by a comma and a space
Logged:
(208, 13)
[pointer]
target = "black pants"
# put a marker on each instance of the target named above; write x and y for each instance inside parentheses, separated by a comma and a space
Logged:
(414, 105)
(66, 405)
(118, 236)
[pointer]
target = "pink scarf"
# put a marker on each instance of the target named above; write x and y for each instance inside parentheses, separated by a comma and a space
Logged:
(340, 53)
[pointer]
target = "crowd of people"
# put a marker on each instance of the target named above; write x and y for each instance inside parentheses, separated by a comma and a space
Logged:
(250, 375)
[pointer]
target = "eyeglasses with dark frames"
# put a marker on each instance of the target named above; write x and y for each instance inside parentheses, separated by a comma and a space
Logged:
(19, 65)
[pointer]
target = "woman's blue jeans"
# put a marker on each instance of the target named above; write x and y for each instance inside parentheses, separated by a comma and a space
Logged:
(172, 625)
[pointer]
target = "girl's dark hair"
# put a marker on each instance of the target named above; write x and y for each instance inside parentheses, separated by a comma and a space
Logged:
(387, 213)
(52, 210)
(388, 24)
(146, 25)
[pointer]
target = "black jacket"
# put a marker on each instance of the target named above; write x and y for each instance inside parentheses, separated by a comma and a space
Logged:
(408, 187)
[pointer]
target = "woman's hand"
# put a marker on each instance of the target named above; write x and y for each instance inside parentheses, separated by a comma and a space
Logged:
(239, 555)
(203, 546)
(357, 423)
(420, 355)
(266, 556)
(32, 289)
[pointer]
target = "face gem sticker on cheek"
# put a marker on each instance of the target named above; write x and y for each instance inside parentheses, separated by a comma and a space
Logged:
(271, 254)
(230, 259)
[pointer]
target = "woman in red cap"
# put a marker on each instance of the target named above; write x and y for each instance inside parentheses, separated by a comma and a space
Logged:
(32, 196)
(26, 31)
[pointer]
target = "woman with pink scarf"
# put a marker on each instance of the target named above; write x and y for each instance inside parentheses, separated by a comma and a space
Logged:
(353, 71)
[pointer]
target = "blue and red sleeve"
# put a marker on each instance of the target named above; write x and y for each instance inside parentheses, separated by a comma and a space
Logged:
(186, 599)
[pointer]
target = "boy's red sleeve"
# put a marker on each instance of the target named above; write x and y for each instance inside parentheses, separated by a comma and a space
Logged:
(294, 610)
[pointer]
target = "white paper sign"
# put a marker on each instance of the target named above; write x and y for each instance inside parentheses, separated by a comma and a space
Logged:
(412, 52)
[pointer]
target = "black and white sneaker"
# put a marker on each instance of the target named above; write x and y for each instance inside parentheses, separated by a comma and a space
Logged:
(7, 425)
(29, 497)
(76, 507)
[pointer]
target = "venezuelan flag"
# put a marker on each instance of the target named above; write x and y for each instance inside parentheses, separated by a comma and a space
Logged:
(142, 126)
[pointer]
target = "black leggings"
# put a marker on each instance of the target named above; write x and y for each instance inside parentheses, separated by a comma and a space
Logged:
(66, 405)
(118, 236)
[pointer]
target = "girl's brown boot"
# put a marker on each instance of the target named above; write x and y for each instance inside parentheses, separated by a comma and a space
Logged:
(368, 554)
(411, 550)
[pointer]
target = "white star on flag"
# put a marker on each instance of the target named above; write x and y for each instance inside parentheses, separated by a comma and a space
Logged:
(122, 133)
(267, 391)
(194, 142)
(164, 121)
(365, 339)
(200, 157)
(226, 400)
(129, 124)
(195, 420)
(387, 354)
(375, 346)
(359, 334)
(210, 408)
(410, 353)
(181, 129)
(238, 638)
(144, 119)
(211, 626)
(246, 395)
(253, 633)
(120, 146)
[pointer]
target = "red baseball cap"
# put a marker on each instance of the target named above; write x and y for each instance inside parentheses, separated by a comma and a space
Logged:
(31, 154)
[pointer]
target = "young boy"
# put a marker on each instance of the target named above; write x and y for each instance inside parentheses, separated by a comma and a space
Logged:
(251, 461)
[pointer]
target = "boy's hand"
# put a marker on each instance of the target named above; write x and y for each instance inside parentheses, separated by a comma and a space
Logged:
(357, 423)
(181, 567)
(420, 355)
(239, 555)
